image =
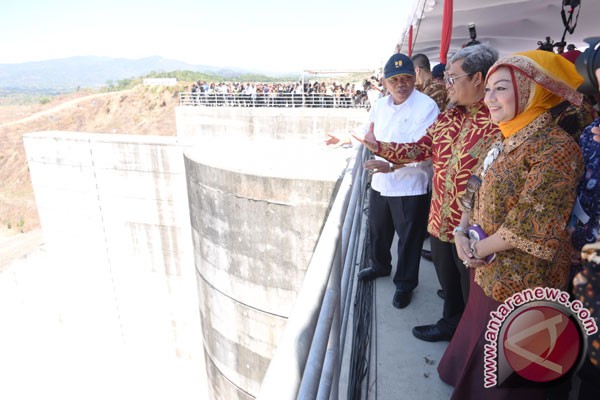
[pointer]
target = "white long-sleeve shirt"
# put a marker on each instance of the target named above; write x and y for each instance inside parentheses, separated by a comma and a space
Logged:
(403, 123)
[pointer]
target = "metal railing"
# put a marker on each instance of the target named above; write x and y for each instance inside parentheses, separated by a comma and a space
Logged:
(274, 99)
(306, 364)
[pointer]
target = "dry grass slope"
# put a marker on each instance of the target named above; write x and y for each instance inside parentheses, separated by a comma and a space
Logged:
(140, 111)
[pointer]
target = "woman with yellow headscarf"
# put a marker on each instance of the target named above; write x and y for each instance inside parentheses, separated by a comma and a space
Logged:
(519, 204)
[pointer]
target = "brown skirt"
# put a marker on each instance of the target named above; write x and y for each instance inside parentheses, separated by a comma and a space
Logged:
(462, 364)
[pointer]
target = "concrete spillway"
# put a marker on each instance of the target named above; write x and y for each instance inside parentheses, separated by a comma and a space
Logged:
(255, 184)
(257, 206)
(116, 206)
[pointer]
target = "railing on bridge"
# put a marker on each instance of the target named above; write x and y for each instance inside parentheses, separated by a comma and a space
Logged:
(274, 99)
(307, 362)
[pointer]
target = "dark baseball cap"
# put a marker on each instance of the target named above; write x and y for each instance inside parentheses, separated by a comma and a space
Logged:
(438, 71)
(399, 64)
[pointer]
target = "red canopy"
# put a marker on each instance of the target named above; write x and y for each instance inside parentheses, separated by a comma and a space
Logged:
(410, 40)
(446, 30)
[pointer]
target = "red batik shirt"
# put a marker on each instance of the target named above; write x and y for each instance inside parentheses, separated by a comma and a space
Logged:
(456, 143)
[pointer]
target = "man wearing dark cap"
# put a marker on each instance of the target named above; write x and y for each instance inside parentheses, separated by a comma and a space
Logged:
(438, 72)
(399, 202)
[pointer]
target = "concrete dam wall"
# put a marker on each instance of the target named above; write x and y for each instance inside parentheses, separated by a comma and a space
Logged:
(116, 207)
(265, 123)
(191, 245)
(254, 235)
(260, 185)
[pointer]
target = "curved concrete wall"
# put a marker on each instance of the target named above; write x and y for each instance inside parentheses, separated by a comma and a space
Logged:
(257, 209)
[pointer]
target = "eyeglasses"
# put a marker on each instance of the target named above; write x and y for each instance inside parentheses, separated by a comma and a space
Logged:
(450, 80)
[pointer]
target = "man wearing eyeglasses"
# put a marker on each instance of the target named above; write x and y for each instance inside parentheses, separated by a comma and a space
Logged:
(456, 143)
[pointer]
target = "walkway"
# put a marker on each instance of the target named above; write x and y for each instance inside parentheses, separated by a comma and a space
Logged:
(403, 367)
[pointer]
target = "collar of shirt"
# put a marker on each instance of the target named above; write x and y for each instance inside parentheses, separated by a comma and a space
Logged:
(408, 103)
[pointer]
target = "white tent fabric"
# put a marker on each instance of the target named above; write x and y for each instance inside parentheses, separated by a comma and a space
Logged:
(508, 25)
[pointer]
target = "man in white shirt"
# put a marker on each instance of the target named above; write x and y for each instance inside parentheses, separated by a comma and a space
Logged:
(399, 199)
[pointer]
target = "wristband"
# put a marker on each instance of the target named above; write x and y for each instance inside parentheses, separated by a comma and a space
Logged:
(458, 229)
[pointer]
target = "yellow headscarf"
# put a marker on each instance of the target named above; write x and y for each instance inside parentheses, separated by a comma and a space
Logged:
(541, 80)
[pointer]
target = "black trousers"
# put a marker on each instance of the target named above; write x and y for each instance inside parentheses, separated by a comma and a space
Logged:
(454, 278)
(407, 217)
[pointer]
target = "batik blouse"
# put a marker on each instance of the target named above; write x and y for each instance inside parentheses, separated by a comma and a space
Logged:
(526, 197)
(456, 143)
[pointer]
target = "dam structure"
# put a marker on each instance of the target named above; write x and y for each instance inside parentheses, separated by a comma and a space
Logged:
(191, 247)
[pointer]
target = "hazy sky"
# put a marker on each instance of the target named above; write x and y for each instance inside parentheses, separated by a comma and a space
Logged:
(271, 35)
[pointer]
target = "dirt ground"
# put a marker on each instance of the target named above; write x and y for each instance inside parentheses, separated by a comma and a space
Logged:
(16, 245)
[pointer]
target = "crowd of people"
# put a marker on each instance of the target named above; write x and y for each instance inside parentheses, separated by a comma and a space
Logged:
(291, 94)
(501, 149)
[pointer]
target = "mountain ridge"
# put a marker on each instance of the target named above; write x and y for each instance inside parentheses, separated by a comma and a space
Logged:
(67, 74)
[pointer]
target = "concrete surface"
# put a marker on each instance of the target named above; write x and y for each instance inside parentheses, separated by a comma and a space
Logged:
(54, 348)
(404, 367)
(57, 340)
(265, 122)
(117, 277)
(116, 206)
(256, 217)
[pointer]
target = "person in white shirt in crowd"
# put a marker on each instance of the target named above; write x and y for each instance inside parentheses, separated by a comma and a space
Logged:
(374, 90)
